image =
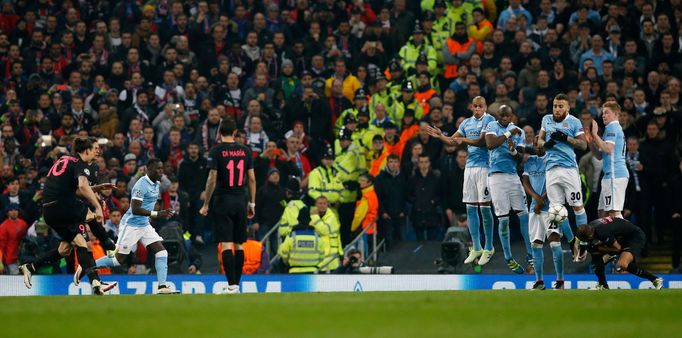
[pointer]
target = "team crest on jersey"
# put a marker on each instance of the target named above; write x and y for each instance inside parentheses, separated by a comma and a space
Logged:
(86, 171)
(565, 125)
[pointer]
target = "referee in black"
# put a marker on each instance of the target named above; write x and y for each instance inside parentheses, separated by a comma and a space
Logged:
(230, 170)
(64, 211)
(615, 236)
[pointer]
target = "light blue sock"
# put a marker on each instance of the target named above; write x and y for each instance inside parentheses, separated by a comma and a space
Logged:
(474, 224)
(566, 230)
(106, 262)
(580, 217)
(488, 226)
(161, 265)
(503, 231)
(523, 224)
(538, 260)
(558, 258)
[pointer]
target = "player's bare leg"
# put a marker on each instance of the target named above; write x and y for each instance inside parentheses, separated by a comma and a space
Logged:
(627, 262)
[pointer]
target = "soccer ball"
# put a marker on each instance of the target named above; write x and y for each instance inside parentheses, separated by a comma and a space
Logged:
(557, 213)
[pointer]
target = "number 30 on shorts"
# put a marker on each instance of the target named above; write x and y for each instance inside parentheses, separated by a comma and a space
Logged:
(575, 196)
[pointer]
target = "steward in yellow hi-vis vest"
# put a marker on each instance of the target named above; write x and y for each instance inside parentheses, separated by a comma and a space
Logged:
(302, 251)
(359, 104)
(293, 206)
(407, 102)
(323, 180)
(327, 225)
(349, 164)
(415, 47)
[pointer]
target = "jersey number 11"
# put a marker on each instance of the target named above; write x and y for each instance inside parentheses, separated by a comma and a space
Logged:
(230, 169)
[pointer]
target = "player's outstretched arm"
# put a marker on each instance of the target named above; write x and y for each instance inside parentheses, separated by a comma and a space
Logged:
(435, 132)
(103, 186)
(210, 188)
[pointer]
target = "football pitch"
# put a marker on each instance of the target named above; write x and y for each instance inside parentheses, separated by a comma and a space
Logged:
(569, 313)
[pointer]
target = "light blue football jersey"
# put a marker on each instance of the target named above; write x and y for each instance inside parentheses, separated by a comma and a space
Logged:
(146, 191)
(614, 163)
(535, 170)
(562, 154)
(500, 159)
(471, 128)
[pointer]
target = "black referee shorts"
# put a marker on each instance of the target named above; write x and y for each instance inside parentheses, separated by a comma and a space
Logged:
(67, 218)
(228, 215)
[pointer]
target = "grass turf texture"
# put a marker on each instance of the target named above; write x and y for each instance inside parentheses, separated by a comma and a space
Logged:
(569, 313)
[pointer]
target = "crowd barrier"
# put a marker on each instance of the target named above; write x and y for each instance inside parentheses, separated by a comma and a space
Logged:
(187, 284)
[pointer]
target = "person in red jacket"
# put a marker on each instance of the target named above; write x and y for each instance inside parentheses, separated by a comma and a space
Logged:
(12, 230)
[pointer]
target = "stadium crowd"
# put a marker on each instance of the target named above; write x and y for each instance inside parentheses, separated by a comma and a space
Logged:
(335, 93)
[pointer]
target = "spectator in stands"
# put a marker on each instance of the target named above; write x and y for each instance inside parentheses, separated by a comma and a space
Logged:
(425, 193)
(659, 167)
(676, 208)
(451, 167)
(349, 83)
(269, 207)
(12, 230)
(13, 196)
(366, 210)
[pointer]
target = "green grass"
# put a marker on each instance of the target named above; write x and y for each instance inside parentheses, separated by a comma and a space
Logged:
(480, 314)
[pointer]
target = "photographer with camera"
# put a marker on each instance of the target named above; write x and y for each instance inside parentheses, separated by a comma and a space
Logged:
(354, 264)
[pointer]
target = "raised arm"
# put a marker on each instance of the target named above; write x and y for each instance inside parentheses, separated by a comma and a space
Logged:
(492, 140)
(598, 142)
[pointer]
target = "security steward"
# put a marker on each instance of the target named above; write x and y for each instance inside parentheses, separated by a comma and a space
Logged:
(407, 101)
(327, 225)
(349, 164)
(323, 181)
(293, 206)
(359, 103)
(302, 250)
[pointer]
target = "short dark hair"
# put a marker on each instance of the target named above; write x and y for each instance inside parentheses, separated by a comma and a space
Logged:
(82, 144)
(394, 157)
(561, 97)
(368, 177)
(227, 126)
(153, 161)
